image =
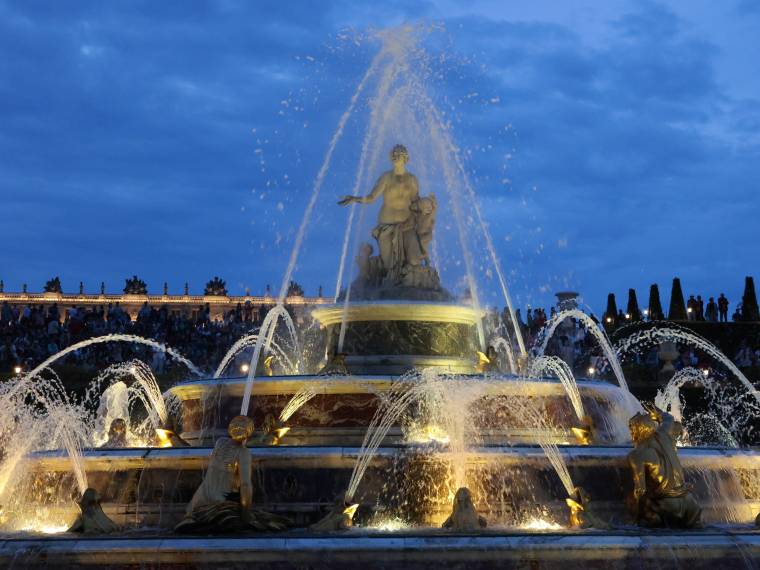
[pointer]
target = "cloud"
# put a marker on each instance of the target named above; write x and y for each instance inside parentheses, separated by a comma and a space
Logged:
(134, 133)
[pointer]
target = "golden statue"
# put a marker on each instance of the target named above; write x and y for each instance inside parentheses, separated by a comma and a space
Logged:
(91, 518)
(488, 361)
(660, 495)
(584, 434)
(404, 228)
(274, 430)
(580, 515)
(340, 517)
(463, 514)
(117, 434)
(223, 500)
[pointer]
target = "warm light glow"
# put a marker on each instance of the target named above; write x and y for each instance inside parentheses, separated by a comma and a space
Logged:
(540, 524)
(609, 319)
(706, 372)
(688, 310)
(164, 437)
(390, 525)
(17, 370)
(245, 368)
(280, 432)
(591, 369)
(628, 315)
(52, 529)
(351, 510)
(44, 529)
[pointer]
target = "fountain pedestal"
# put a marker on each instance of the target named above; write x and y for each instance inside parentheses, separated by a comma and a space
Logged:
(395, 337)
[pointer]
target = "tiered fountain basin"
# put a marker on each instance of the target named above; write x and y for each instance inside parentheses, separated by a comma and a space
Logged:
(344, 406)
(512, 485)
(392, 337)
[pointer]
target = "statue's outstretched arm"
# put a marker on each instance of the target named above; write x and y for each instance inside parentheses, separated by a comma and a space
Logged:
(376, 192)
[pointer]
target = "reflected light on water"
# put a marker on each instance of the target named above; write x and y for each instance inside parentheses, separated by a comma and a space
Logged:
(390, 525)
(541, 524)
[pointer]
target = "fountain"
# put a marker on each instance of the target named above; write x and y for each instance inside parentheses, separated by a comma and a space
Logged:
(406, 449)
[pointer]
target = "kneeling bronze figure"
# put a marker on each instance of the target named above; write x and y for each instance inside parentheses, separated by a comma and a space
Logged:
(660, 497)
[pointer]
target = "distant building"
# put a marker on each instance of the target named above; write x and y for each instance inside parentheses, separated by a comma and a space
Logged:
(187, 305)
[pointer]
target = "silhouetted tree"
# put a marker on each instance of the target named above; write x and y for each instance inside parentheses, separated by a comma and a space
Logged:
(216, 287)
(633, 306)
(53, 285)
(677, 311)
(135, 286)
(655, 307)
(749, 301)
(610, 315)
(295, 290)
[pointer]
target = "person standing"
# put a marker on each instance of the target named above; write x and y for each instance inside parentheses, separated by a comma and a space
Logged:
(723, 308)
(691, 308)
(712, 310)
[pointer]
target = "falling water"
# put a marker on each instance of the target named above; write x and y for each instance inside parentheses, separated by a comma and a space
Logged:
(370, 136)
(321, 178)
(595, 330)
(668, 399)
(246, 342)
(385, 416)
(304, 394)
(502, 343)
(114, 404)
(706, 429)
(728, 413)
(438, 125)
(659, 335)
(266, 333)
(74, 450)
(114, 338)
(557, 367)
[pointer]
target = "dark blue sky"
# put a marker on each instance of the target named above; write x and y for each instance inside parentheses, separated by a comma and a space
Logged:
(612, 144)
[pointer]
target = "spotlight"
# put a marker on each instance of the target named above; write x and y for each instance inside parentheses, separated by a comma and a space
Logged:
(17, 370)
(688, 310)
(646, 312)
(245, 368)
(609, 319)
(591, 370)
(628, 316)
(706, 372)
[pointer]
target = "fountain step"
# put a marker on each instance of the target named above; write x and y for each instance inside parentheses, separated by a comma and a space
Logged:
(153, 486)
(711, 548)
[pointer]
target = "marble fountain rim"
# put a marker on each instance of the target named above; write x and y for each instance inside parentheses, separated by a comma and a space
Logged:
(345, 457)
(368, 383)
(393, 310)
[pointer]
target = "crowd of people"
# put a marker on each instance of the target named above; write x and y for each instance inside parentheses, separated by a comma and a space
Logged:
(30, 334)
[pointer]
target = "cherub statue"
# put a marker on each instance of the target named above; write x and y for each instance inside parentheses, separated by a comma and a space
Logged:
(660, 495)
(463, 514)
(222, 503)
(424, 209)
